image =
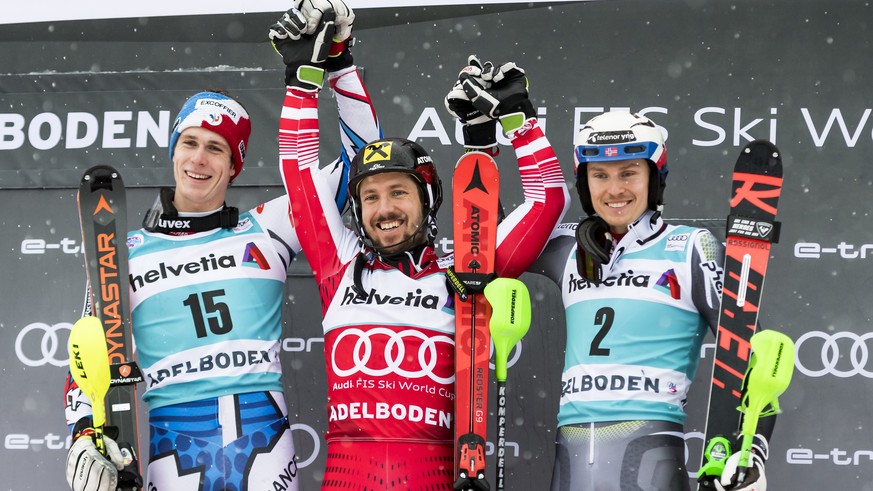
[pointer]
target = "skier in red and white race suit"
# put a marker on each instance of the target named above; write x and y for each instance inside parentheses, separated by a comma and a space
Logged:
(389, 317)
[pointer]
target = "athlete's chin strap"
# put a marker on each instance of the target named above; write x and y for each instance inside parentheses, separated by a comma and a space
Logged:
(413, 255)
(594, 244)
(163, 217)
(408, 262)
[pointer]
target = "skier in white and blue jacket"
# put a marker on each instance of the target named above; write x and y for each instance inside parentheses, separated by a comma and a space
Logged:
(639, 295)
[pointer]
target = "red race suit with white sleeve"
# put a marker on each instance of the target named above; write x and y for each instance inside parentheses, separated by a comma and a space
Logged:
(390, 353)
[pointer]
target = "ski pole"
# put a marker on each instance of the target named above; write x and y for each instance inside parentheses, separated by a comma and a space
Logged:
(510, 320)
(769, 374)
(89, 364)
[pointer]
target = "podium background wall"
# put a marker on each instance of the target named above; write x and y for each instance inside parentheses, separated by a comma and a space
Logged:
(713, 74)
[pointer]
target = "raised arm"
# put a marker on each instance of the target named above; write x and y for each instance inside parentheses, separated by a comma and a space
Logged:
(484, 95)
(523, 234)
(325, 240)
(358, 124)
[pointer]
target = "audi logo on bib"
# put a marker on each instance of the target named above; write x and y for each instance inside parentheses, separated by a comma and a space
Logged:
(40, 344)
(357, 355)
(833, 356)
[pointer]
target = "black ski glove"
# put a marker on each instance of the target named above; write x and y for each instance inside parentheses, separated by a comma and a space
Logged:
(500, 93)
(480, 131)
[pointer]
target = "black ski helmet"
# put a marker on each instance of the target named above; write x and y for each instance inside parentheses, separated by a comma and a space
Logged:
(396, 155)
(620, 135)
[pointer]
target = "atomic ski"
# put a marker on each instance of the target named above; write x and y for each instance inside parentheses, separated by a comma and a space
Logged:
(751, 229)
(475, 189)
(103, 216)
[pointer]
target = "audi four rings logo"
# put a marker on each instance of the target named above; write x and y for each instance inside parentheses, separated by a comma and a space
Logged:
(857, 355)
(393, 356)
(39, 344)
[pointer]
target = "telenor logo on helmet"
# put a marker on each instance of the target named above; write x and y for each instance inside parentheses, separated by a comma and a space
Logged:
(376, 152)
(612, 137)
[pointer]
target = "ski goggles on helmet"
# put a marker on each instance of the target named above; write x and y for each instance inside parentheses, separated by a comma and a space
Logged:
(619, 151)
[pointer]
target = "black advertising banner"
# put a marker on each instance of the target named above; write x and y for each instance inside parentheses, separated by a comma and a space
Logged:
(76, 92)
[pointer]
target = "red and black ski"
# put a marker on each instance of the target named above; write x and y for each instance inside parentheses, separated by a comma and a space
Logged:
(103, 216)
(751, 229)
(475, 190)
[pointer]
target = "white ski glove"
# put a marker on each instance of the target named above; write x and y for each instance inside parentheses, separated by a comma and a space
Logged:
(88, 469)
(754, 480)
(312, 10)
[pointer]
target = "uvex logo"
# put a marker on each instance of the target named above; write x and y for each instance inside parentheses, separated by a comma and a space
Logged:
(174, 223)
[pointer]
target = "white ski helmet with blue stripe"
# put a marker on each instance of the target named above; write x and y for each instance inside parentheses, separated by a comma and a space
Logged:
(621, 135)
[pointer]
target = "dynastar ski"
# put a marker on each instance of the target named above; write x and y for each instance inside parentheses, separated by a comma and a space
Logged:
(103, 215)
(475, 189)
(751, 229)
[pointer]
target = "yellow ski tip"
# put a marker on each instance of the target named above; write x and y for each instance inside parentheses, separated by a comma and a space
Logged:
(89, 363)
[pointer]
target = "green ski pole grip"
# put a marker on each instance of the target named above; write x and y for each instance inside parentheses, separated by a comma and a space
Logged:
(768, 376)
(510, 318)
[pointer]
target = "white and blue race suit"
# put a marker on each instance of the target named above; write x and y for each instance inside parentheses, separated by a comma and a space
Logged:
(633, 341)
(206, 310)
(206, 315)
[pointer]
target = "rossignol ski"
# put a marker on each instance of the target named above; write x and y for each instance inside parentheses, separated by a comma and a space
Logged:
(475, 189)
(751, 229)
(103, 216)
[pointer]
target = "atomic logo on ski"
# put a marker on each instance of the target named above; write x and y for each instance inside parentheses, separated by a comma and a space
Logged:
(476, 181)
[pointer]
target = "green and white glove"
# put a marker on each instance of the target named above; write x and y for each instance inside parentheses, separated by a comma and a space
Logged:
(754, 478)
